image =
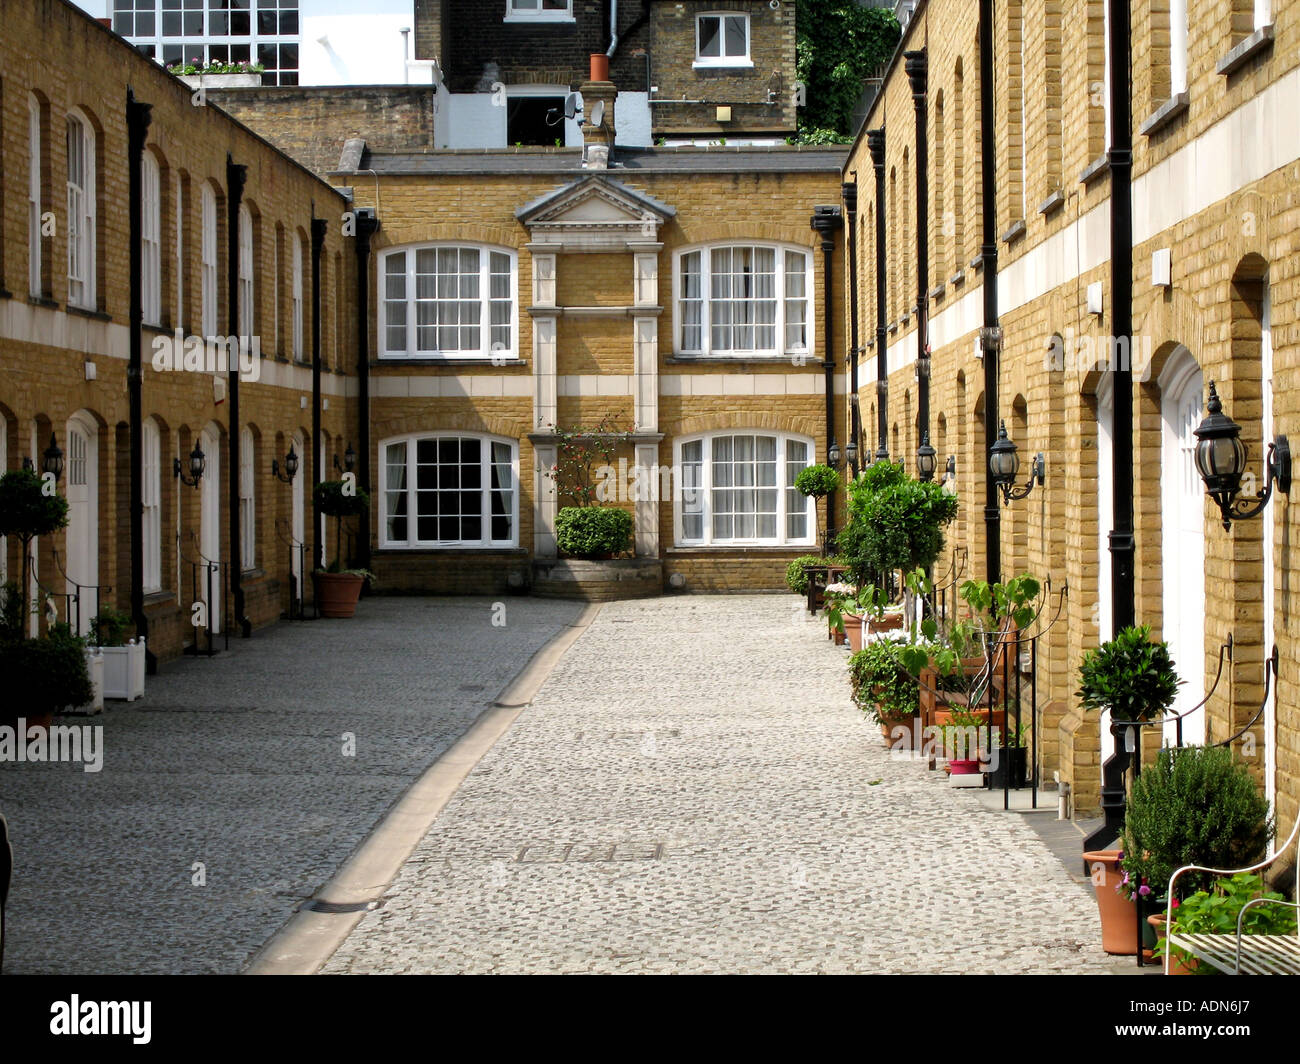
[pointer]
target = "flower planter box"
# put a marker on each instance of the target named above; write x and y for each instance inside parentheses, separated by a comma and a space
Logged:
(222, 81)
(124, 670)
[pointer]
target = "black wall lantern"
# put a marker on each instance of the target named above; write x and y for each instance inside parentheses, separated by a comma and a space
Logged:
(1221, 461)
(833, 455)
(290, 467)
(927, 459)
(197, 463)
(349, 460)
(851, 454)
(53, 459)
(1004, 463)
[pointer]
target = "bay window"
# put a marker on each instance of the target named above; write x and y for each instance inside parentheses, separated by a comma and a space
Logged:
(743, 300)
(447, 301)
(738, 488)
(450, 490)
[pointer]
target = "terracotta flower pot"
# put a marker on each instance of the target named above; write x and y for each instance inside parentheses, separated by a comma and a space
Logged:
(1177, 966)
(853, 631)
(337, 593)
(1119, 931)
(899, 733)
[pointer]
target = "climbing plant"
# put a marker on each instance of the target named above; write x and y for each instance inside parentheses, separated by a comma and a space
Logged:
(839, 44)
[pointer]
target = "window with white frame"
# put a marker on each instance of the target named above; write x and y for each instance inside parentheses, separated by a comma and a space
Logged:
(150, 240)
(450, 490)
(35, 284)
(448, 301)
(151, 498)
(247, 502)
(743, 299)
(722, 39)
(81, 213)
(179, 314)
(246, 307)
(208, 260)
(738, 488)
(539, 10)
(297, 297)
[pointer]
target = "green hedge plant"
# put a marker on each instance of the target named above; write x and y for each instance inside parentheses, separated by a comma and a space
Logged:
(44, 675)
(882, 687)
(1194, 806)
(1131, 675)
(593, 531)
(796, 573)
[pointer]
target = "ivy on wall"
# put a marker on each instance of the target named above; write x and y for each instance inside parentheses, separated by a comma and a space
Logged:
(839, 44)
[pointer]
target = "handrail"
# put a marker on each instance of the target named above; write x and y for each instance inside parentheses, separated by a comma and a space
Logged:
(1270, 672)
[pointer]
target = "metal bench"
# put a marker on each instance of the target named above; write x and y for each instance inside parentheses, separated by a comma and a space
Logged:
(1238, 954)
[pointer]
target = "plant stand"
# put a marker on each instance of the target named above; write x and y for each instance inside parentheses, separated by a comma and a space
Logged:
(124, 670)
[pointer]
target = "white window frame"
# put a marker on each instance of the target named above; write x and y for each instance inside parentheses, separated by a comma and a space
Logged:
(247, 291)
(247, 502)
(208, 260)
(81, 213)
(705, 349)
(151, 499)
(297, 297)
(412, 517)
(722, 59)
(150, 240)
(706, 488)
(484, 350)
(35, 281)
(515, 13)
(179, 315)
(1263, 14)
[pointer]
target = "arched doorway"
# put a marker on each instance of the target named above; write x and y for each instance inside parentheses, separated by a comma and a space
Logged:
(1182, 546)
(1105, 520)
(81, 543)
(210, 524)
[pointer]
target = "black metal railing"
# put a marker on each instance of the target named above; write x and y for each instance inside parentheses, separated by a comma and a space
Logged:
(76, 598)
(297, 575)
(210, 574)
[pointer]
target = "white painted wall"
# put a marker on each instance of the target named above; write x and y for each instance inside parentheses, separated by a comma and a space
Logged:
(362, 43)
(632, 120)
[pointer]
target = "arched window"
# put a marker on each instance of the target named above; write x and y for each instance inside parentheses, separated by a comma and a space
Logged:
(208, 260)
(247, 501)
(450, 490)
(246, 291)
(448, 300)
(737, 487)
(150, 240)
(296, 317)
(35, 276)
(743, 300)
(151, 497)
(81, 213)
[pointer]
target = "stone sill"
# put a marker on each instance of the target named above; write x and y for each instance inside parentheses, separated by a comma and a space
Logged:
(1163, 115)
(805, 360)
(444, 363)
(408, 552)
(957, 278)
(620, 311)
(1015, 232)
(1053, 203)
(83, 312)
(1259, 41)
(754, 549)
(41, 301)
(937, 291)
(977, 263)
(1095, 169)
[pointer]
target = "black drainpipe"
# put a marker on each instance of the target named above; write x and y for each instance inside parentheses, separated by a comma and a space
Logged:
(137, 126)
(876, 144)
(849, 189)
(317, 245)
(917, 67)
(367, 226)
(826, 220)
(990, 335)
(236, 175)
(1122, 548)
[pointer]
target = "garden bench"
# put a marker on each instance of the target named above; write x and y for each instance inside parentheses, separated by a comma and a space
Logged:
(1238, 954)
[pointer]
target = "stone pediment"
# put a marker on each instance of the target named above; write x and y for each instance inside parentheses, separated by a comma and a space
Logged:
(594, 213)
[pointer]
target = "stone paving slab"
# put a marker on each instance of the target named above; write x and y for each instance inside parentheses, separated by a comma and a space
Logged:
(693, 790)
(237, 762)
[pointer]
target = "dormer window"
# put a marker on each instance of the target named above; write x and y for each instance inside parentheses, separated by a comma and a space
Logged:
(722, 40)
(539, 10)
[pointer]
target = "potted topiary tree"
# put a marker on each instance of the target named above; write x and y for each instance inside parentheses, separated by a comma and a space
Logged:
(337, 589)
(28, 509)
(816, 482)
(1133, 677)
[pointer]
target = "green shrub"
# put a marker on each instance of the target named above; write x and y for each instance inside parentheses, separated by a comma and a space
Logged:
(882, 687)
(1130, 675)
(339, 499)
(894, 522)
(1215, 912)
(44, 675)
(109, 627)
(593, 531)
(1194, 806)
(796, 575)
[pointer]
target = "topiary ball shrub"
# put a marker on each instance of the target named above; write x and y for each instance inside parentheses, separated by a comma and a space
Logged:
(1130, 675)
(817, 481)
(1195, 806)
(796, 575)
(894, 522)
(593, 531)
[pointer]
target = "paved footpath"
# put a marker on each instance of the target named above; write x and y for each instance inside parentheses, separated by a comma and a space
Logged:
(239, 764)
(693, 790)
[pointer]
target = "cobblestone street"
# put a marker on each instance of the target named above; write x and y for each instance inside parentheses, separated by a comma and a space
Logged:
(692, 790)
(238, 763)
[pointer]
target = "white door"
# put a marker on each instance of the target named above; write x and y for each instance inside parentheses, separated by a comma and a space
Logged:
(210, 524)
(1270, 568)
(1183, 537)
(299, 509)
(1105, 519)
(82, 540)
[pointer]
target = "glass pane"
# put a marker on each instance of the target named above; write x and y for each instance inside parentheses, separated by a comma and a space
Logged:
(736, 35)
(710, 44)
(289, 24)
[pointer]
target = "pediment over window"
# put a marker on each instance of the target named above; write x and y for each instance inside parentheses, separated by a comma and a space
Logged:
(595, 214)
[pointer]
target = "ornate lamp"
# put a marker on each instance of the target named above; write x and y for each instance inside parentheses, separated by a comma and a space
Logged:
(1221, 461)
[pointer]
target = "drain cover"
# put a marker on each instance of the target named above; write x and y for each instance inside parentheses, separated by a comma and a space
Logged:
(318, 906)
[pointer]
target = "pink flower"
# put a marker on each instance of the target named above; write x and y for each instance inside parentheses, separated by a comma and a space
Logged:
(1143, 891)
